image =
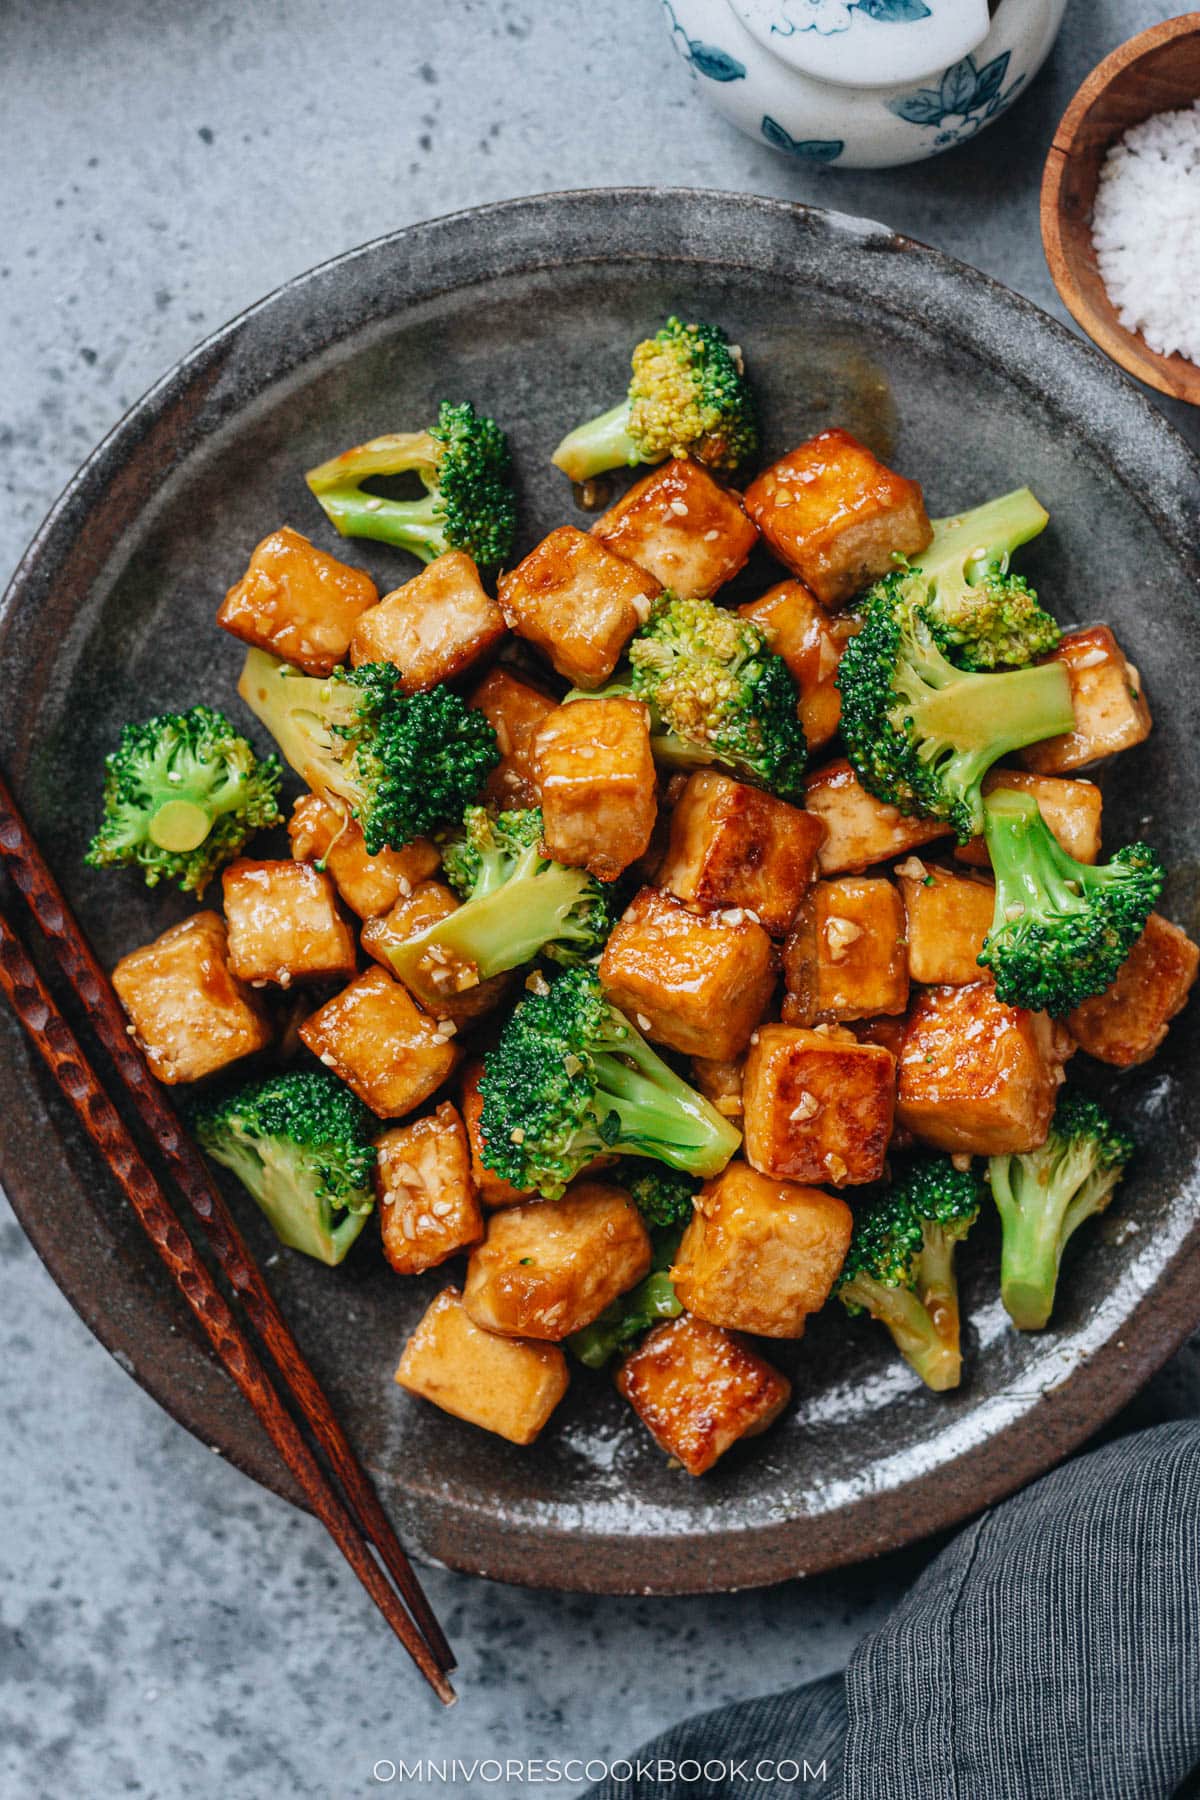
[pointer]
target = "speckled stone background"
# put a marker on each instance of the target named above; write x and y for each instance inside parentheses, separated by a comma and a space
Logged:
(167, 1629)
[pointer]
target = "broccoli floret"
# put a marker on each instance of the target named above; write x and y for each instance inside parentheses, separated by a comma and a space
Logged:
(1061, 929)
(664, 1197)
(1045, 1195)
(405, 764)
(628, 1317)
(688, 397)
(571, 1079)
(465, 466)
(182, 794)
(921, 733)
(301, 1144)
(900, 1265)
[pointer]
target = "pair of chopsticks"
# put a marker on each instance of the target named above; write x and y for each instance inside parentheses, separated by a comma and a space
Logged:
(353, 1516)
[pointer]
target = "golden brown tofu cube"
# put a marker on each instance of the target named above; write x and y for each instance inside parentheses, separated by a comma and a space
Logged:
(977, 1076)
(493, 1190)
(696, 981)
(579, 602)
(817, 1108)
(1127, 1023)
(376, 1039)
(760, 1254)
(697, 1390)
(811, 644)
(836, 516)
(428, 1209)
(720, 1081)
(369, 885)
(285, 924)
(860, 830)
(948, 917)
(514, 709)
(682, 527)
(731, 845)
(189, 1013)
(448, 986)
(845, 957)
(549, 1267)
(1070, 808)
(297, 602)
(497, 1383)
(433, 627)
(598, 784)
(1111, 712)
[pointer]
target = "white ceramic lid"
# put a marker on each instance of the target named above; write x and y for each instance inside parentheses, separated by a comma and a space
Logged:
(866, 43)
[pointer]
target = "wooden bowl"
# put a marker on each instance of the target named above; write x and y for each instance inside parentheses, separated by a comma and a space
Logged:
(1157, 71)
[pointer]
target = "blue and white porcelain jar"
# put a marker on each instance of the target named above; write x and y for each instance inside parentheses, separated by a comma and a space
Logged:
(863, 84)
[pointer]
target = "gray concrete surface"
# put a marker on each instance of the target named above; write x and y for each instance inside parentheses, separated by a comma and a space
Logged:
(166, 1629)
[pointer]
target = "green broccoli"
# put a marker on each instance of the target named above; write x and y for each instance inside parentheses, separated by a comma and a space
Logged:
(900, 1266)
(632, 1314)
(688, 397)
(664, 1197)
(405, 765)
(1061, 928)
(571, 1079)
(921, 733)
(301, 1144)
(182, 794)
(1045, 1195)
(465, 467)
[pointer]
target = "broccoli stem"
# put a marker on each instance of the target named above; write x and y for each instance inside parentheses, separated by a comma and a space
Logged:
(414, 525)
(972, 542)
(937, 1290)
(299, 710)
(503, 928)
(922, 1346)
(603, 443)
(182, 825)
(626, 1318)
(991, 715)
(659, 1114)
(298, 1220)
(1036, 1228)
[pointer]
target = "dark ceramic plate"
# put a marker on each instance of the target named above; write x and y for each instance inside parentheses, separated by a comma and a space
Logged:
(529, 308)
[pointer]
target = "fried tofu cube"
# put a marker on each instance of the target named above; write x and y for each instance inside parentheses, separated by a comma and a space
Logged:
(698, 1390)
(549, 1267)
(514, 709)
(976, 1076)
(579, 602)
(720, 1081)
(1111, 711)
(1127, 1022)
(376, 1039)
(845, 957)
(369, 885)
(949, 915)
(493, 1190)
(682, 527)
(433, 627)
(297, 602)
(497, 1383)
(760, 1254)
(695, 981)
(811, 643)
(836, 516)
(731, 845)
(447, 986)
(189, 1012)
(1070, 808)
(598, 786)
(285, 924)
(817, 1108)
(428, 1208)
(860, 830)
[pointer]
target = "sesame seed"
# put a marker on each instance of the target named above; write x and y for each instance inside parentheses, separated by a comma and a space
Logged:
(441, 1208)
(327, 1059)
(710, 537)
(643, 1022)
(403, 886)
(806, 1107)
(680, 508)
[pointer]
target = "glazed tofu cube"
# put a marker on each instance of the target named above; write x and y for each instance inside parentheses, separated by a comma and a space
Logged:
(811, 643)
(698, 1390)
(497, 1383)
(678, 524)
(189, 1012)
(977, 1076)
(720, 1081)
(836, 516)
(515, 710)
(1127, 1023)
(297, 602)
(860, 830)
(731, 845)
(433, 627)
(428, 1209)
(285, 924)
(948, 917)
(1111, 712)
(760, 1254)
(447, 986)
(696, 981)
(1070, 808)
(598, 785)
(579, 602)
(817, 1108)
(492, 1189)
(845, 957)
(369, 885)
(376, 1039)
(550, 1267)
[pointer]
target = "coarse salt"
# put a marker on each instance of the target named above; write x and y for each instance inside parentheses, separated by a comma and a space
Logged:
(1146, 230)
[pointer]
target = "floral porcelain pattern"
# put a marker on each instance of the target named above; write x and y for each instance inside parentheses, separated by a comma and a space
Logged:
(706, 59)
(829, 16)
(965, 100)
